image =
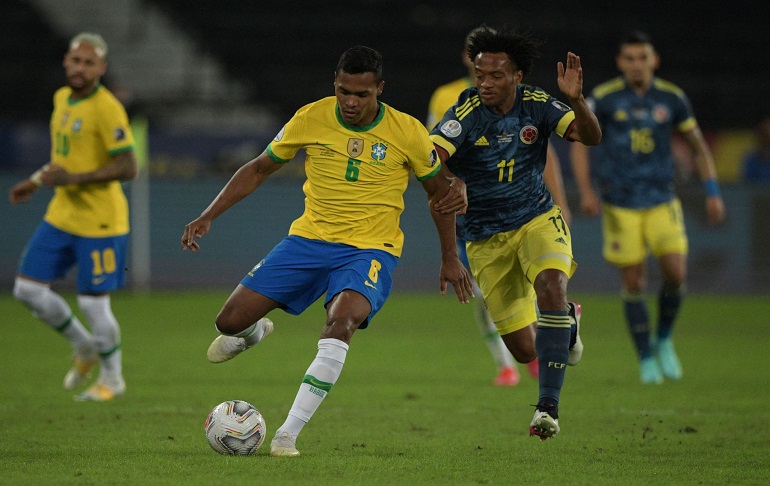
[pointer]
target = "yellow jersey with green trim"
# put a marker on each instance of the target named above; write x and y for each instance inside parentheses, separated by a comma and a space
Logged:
(356, 176)
(85, 135)
(443, 98)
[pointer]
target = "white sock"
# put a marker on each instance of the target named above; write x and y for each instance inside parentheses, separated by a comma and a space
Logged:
(500, 353)
(52, 309)
(252, 334)
(106, 333)
(319, 378)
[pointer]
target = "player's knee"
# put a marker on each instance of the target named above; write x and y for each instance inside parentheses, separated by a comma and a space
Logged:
(524, 356)
(225, 324)
(521, 345)
(551, 289)
(28, 292)
(341, 327)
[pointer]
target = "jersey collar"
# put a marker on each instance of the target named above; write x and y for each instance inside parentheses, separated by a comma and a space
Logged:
(353, 128)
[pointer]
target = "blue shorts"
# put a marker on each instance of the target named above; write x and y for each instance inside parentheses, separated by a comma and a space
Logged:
(299, 270)
(51, 252)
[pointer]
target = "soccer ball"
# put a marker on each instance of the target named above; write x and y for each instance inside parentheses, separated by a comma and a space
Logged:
(235, 427)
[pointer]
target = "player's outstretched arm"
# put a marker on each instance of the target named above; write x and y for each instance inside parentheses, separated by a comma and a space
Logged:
(570, 80)
(245, 181)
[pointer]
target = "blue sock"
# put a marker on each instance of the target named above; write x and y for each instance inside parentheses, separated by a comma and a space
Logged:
(669, 302)
(552, 346)
(639, 324)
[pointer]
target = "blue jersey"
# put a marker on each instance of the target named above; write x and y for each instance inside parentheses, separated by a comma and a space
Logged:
(501, 158)
(634, 164)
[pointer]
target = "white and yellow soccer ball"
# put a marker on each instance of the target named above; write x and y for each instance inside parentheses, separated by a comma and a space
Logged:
(235, 427)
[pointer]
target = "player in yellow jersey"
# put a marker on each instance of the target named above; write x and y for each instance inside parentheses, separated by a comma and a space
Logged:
(360, 154)
(86, 223)
(440, 101)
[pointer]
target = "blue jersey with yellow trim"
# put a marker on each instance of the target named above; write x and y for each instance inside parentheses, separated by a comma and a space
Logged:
(501, 158)
(634, 164)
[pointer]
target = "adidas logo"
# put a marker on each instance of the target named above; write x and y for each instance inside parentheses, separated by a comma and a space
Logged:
(560, 240)
(482, 142)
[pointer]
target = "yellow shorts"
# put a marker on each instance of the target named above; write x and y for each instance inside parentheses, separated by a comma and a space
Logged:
(505, 266)
(630, 234)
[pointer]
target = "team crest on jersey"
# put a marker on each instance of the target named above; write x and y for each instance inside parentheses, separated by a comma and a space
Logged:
(452, 128)
(561, 106)
(528, 134)
(378, 151)
(279, 136)
(77, 125)
(620, 115)
(119, 134)
(356, 147)
(660, 113)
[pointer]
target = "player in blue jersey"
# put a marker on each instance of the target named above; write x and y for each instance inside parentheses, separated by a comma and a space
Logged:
(442, 99)
(634, 168)
(519, 248)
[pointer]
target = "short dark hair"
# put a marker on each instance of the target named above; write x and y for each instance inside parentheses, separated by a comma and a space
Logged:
(634, 37)
(522, 49)
(360, 59)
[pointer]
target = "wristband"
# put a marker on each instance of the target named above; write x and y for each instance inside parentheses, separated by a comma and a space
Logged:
(712, 188)
(37, 177)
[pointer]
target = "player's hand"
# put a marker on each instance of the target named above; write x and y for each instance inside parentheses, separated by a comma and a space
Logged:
(55, 175)
(22, 192)
(195, 229)
(570, 80)
(715, 209)
(590, 204)
(455, 200)
(454, 272)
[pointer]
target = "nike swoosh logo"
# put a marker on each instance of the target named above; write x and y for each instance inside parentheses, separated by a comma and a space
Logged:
(366, 282)
(98, 280)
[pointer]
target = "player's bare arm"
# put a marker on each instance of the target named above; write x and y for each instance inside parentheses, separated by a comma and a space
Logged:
(122, 168)
(554, 181)
(570, 79)
(581, 170)
(456, 199)
(452, 269)
(704, 160)
(245, 181)
(22, 191)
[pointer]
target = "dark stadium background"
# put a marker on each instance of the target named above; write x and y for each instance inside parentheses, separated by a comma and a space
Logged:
(277, 56)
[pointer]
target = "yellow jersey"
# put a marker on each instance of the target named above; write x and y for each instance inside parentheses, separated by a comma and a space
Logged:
(356, 176)
(443, 98)
(85, 134)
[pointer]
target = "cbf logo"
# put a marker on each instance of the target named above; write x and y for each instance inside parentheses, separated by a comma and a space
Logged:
(378, 151)
(77, 125)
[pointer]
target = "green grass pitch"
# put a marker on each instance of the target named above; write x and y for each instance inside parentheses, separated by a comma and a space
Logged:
(415, 403)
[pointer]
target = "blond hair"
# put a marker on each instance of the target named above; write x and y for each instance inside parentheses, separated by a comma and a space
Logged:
(91, 39)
